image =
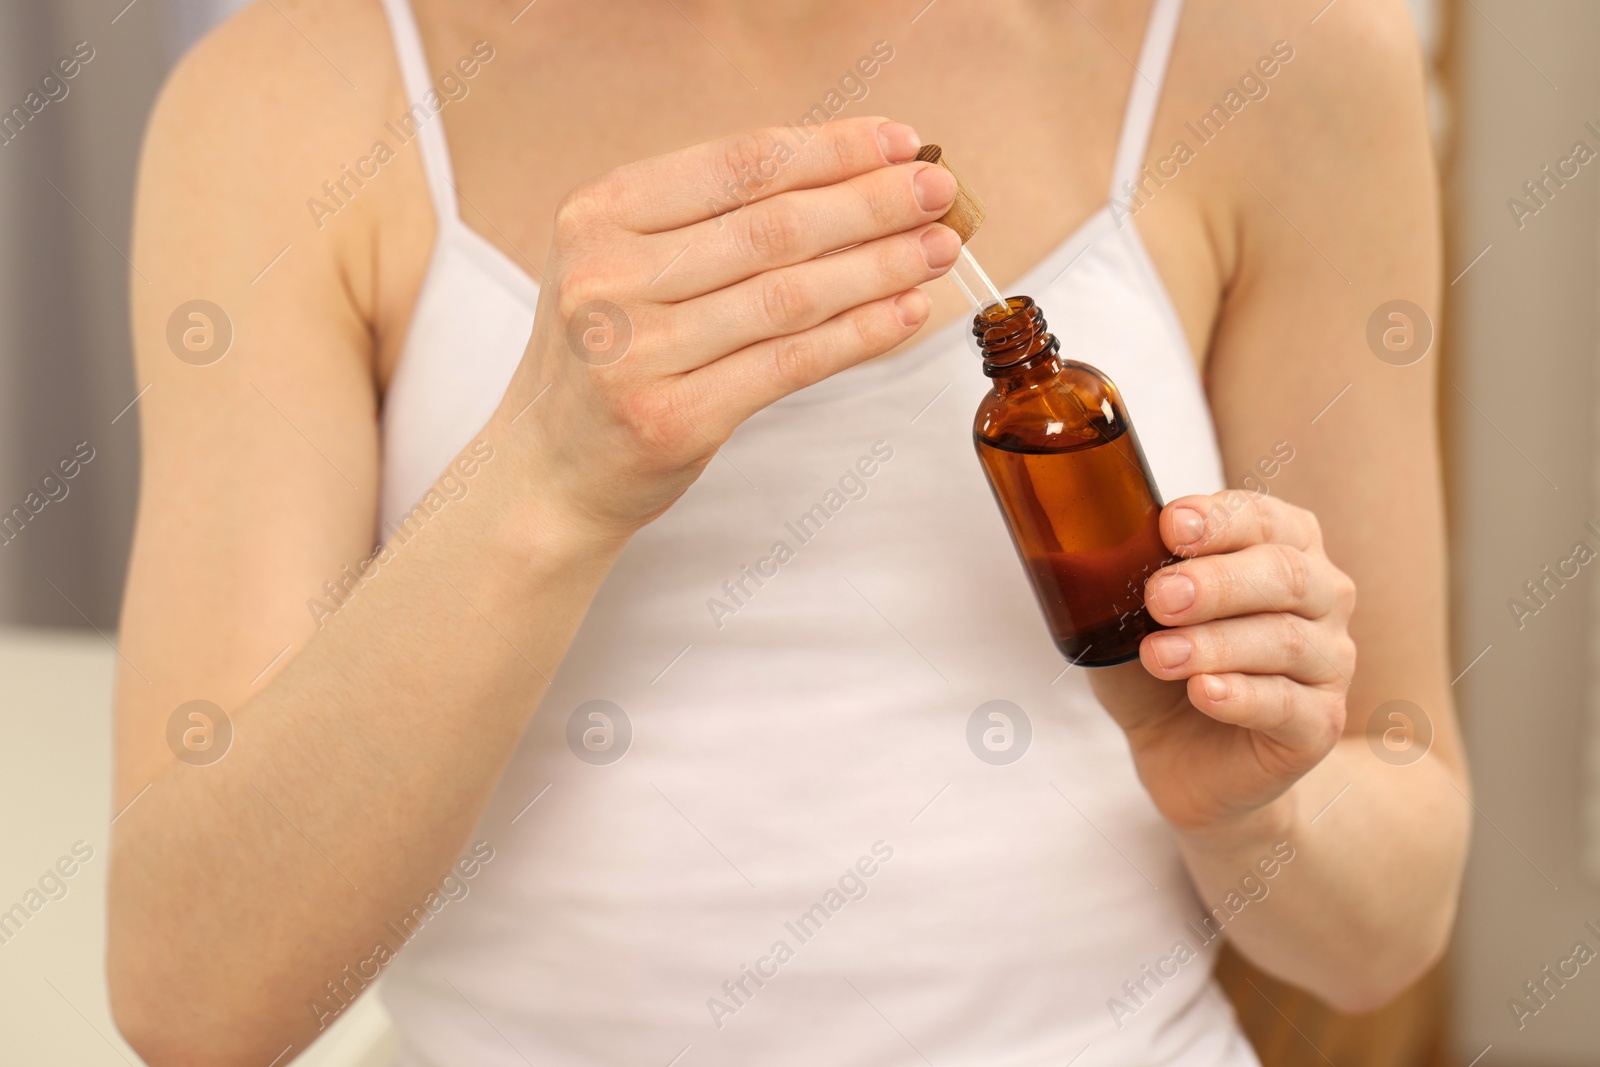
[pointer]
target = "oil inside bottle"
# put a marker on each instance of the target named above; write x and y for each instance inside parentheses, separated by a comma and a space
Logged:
(1066, 468)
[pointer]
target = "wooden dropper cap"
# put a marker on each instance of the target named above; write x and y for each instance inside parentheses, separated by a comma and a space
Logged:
(966, 214)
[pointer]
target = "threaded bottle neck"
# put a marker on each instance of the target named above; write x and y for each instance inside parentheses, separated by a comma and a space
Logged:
(1013, 337)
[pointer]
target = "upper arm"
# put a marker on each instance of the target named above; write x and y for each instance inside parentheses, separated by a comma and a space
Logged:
(1335, 214)
(259, 470)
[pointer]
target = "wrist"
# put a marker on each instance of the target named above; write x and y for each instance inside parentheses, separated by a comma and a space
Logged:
(519, 526)
(536, 529)
(1248, 831)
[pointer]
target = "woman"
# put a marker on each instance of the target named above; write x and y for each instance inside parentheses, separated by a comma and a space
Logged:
(601, 757)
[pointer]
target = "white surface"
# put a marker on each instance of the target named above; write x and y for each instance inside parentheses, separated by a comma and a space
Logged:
(55, 789)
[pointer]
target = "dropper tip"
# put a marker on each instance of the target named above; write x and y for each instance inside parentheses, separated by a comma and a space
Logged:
(994, 312)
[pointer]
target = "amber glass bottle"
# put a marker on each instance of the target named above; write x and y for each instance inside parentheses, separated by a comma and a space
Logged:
(1068, 472)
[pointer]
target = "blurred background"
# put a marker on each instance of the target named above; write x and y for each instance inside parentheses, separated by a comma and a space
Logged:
(1516, 86)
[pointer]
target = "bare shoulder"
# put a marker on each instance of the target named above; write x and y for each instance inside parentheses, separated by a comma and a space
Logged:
(1364, 48)
(1347, 78)
(1276, 110)
(276, 85)
(246, 131)
(1310, 111)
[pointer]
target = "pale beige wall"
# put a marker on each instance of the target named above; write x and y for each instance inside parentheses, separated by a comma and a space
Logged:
(1522, 348)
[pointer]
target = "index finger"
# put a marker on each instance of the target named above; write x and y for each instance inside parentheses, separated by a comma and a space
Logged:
(699, 183)
(1229, 521)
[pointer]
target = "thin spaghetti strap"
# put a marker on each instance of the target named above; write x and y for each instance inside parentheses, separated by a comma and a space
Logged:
(1146, 95)
(420, 122)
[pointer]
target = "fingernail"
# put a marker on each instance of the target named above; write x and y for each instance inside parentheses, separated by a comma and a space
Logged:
(1174, 593)
(1189, 525)
(1215, 688)
(912, 307)
(940, 246)
(898, 141)
(1171, 650)
(934, 187)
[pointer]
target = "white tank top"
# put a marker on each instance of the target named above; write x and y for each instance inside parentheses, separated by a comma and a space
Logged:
(812, 849)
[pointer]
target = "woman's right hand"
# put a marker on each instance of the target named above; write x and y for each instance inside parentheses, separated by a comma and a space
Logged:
(670, 313)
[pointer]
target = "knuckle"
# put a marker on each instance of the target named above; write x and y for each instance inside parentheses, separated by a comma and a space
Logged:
(1347, 654)
(844, 152)
(1292, 640)
(1294, 572)
(1312, 523)
(773, 233)
(744, 154)
(1334, 720)
(1269, 524)
(646, 419)
(570, 216)
(1261, 520)
(1338, 715)
(1288, 699)
(663, 331)
(1221, 510)
(582, 209)
(785, 302)
(1345, 592)
(578, 285)
(872, 329)
(791, 361)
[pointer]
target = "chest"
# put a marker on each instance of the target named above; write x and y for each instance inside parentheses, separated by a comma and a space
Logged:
(1027, 99)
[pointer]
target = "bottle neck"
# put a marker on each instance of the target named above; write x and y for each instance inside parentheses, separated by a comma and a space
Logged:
(1017, 345)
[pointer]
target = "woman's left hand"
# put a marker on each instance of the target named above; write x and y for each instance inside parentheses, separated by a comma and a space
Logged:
(1253, 669)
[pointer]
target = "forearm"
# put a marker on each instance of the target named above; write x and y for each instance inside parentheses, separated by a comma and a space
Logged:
(352, 783)
(1367, 900)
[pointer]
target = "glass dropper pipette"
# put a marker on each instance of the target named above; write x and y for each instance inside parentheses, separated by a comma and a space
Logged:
(974, 283)
(964, 217)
